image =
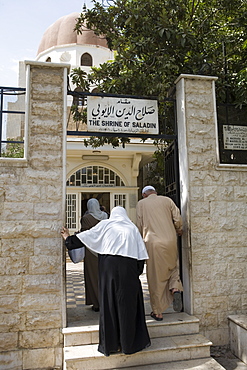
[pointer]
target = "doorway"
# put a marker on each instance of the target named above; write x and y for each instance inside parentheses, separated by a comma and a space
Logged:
(103, 199)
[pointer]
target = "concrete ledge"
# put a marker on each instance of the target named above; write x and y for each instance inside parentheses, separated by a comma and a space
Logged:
(238, 336)
(46, 65)
(13, 162)
(196, 77)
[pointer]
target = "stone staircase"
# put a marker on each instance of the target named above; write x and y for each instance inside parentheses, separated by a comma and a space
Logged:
(175, 344)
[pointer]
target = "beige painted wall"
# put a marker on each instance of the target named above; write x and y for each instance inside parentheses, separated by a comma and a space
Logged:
(214, 209)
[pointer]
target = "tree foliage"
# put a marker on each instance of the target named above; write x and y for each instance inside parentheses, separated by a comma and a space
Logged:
(13, 149)
(157, 40)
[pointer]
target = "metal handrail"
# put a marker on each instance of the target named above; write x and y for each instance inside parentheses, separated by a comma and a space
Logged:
(14, 91)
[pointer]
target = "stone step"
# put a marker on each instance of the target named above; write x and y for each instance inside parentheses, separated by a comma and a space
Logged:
(162, 350)
(198, 364)
(172, 324)
(238, 336)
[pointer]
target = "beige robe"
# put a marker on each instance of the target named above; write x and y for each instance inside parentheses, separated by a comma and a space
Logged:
(157, 219)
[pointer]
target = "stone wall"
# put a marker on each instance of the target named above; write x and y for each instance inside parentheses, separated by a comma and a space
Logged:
(32, 212)
(32, 192)
(214, 210)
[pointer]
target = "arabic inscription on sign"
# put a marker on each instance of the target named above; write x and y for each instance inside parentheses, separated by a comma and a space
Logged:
(122, 115)
(235, 137)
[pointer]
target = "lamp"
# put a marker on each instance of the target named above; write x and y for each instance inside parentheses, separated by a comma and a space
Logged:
(93, 157)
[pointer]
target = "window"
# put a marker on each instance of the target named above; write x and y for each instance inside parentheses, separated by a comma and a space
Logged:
(95, 90)
(71, 211)
(120, 200)
(86, 60)
(95, 176)
(48, 59)
(12, 122)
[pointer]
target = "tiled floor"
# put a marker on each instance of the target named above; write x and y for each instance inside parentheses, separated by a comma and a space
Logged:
(75, 285)
(79, 314)
(77, 311)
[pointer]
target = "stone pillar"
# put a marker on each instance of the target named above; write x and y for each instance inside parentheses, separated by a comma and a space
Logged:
(32, 207)
(213, 206)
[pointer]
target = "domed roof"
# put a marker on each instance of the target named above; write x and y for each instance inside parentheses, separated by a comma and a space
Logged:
(62, 33)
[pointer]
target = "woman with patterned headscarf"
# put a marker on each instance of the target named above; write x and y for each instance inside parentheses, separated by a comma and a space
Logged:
(92, 217)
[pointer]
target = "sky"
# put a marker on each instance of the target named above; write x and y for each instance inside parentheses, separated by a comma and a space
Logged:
(22, 25)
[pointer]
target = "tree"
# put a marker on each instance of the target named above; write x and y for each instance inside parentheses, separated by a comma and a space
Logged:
(13, 149)
(155, 41)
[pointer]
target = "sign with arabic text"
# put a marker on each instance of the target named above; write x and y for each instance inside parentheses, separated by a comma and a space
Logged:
(122, 115)
(235, 137)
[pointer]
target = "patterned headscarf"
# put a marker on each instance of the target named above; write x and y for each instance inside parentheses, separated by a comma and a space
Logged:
(93, 208)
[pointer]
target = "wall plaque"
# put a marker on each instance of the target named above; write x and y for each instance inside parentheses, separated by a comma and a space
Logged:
(235, 137)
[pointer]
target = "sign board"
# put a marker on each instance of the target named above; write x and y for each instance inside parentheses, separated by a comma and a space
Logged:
(235, 137)
(122, 115)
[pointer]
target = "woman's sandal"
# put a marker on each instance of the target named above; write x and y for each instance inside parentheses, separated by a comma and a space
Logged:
(95, 309)
(155, 317)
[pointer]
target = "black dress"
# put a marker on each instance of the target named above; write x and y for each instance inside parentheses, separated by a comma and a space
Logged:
(122, 317)
(122, 325)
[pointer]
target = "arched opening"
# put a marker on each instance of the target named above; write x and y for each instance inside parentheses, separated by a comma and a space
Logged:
(86, 60)
(92, 182)
(95, 90)
(95, 175)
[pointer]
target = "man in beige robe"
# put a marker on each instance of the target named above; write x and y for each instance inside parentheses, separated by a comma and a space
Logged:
(159, 220)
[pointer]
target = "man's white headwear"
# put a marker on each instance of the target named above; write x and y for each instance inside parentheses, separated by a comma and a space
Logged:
(146, 188)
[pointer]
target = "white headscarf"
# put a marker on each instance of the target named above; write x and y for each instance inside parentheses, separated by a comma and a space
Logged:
(116, 236)
(93, 208)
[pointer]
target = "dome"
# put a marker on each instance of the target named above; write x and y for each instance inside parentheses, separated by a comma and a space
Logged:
(62, 33)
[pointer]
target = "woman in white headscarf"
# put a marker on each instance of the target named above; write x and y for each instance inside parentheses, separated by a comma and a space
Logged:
(121, 254)
(93, 216)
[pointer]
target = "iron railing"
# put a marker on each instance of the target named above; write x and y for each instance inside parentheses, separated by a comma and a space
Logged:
(4, 105)
(171, 172)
